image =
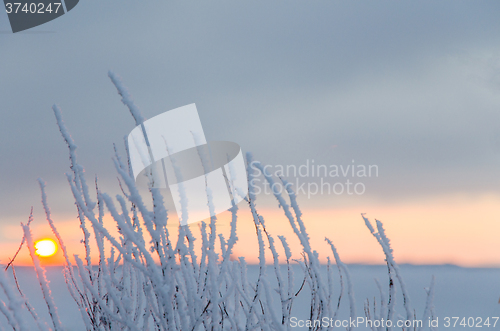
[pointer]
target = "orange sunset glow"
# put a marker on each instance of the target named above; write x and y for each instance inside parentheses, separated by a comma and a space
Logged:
(456, 229)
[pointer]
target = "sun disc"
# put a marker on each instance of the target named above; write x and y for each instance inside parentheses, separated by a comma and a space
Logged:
(45, 247)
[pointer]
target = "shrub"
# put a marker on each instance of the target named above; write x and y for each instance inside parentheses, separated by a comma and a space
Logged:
(147, 281)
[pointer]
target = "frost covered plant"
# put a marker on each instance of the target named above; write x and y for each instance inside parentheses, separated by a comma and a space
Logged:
(148, 281)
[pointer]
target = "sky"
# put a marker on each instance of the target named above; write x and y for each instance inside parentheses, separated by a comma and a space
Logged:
(412, 88)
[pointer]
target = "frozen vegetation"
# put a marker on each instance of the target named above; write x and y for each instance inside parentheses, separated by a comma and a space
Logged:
(151, 279)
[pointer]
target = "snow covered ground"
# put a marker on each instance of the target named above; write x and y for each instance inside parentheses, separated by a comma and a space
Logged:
(459, 292)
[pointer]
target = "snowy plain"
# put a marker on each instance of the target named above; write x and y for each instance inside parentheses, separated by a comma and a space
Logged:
(459, 292)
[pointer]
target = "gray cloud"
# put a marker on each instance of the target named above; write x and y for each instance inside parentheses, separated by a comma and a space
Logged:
(412, 87)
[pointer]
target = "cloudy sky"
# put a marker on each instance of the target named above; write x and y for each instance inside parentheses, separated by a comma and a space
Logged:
(412, 87)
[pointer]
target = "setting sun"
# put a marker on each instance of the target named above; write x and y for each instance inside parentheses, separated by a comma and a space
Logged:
(45, 247)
